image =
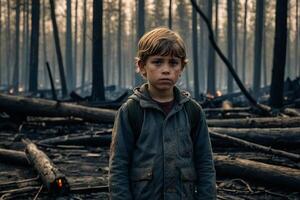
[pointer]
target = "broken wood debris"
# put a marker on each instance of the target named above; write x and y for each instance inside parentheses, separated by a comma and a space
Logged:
(53, 179)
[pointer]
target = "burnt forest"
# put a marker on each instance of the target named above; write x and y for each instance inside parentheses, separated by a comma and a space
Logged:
(66, 67)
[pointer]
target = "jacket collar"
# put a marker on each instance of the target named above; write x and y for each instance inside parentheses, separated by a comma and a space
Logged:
(142, 95)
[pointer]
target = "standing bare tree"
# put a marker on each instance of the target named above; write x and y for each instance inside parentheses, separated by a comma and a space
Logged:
(44, 44)
(259, 24)
(97, 81)
(236, 35)
(297, 40)
(8, 43)
(68, 49)
(26, 48)
(297, 70)
(229, 45)
(195, 53)
(140, 30)
(83, 46)
(75, 46)
(58, 50)
(34, 46)
(211, 70)
(119, 43)
(17, 40)
(276, 93)
(1, 70)
(244, 65)
(216, 35)
(170, 15)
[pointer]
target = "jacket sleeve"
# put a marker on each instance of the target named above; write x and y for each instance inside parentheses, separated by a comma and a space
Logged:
(206, 176)
(120, 157)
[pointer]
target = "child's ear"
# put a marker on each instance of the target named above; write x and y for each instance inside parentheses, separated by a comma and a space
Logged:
(140, 66)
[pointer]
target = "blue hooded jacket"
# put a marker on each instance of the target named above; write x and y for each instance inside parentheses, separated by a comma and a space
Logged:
(163, 162)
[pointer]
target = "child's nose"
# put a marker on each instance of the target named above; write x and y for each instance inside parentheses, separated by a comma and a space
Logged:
(166, 68)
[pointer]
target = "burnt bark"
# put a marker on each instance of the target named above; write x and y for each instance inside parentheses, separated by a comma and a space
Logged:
(42, 107)
(267, 122)
(53, 179)
(261, 172)
(34, 46)
(276, 92)
(58, 50)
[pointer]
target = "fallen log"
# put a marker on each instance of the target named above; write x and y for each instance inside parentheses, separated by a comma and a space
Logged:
(291, 112)
(275, 137)
(14, 157)
(19, 184)
(53, 121)
(82, 140)
(231, 110)
(257, 147)
(266, 122)
(48, 108)
(287, 177)
(53, 179)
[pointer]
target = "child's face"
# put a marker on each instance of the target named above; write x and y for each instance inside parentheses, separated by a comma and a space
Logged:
(162, 72)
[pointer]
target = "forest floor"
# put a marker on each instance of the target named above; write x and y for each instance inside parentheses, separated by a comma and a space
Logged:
(87, 166)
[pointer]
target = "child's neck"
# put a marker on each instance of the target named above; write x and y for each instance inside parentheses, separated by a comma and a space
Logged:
(161, 95)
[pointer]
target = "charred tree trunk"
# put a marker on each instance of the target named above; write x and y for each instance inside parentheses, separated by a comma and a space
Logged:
(75, 47)
(26, 51)
(170, 15)
(211, 71)
(1, 66)
(140, 31)
(8, 44)
(276, 93)
(195, 54)
(259, 24)
(45, 46)
(69, 49)
(34, 46)
(83, 47)
(58, 50)
(119, 43)
(297, 70)
(17, 40)
(97, 80)
(244, 65)
(229, 45)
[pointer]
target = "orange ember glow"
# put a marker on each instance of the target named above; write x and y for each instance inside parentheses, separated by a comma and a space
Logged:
(218, 93)
(59, 183)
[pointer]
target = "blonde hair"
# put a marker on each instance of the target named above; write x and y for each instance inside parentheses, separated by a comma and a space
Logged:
(161, 41)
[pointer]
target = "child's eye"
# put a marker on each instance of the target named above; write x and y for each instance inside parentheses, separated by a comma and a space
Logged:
(174, 62)
(156, 62)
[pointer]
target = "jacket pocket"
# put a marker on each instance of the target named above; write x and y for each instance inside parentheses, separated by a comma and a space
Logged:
(140, 179)
(141, 174)
(188, 179)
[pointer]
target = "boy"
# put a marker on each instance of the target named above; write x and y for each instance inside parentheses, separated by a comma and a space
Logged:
(164, 158)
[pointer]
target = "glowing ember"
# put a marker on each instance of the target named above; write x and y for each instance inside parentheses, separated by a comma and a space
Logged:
(59, 183)
(218, 93)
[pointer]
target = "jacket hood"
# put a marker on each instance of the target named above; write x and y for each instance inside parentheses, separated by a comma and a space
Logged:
(142, 95)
